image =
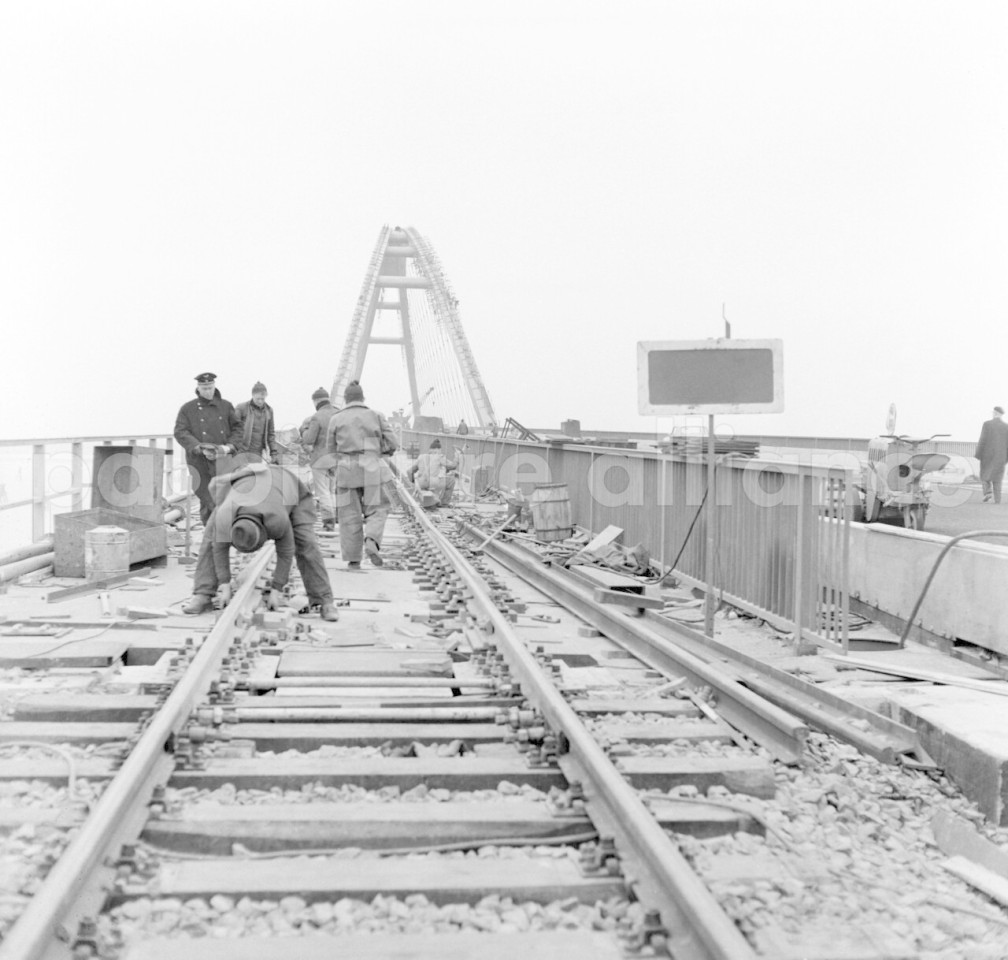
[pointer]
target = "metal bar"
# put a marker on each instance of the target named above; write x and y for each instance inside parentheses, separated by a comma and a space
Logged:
(67, 592)
(76, 476)
(778, 731)
(710, 603)
(687, 908)
(448, 714)
(439, 683)
(43, 916)
(38, 491)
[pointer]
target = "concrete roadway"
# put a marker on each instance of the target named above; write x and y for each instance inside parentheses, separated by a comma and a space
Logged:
(951, 517)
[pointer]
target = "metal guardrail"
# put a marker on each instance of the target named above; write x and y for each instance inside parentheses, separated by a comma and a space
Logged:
(45, 473)
(783, 529)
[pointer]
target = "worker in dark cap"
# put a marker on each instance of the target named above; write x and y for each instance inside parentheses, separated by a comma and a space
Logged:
(256, 503)
(992, 452)
(209, 431)
(314, 433)
(361, 439)
(258, 430)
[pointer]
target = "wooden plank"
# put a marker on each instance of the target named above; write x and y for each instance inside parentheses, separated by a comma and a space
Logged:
(94, 707)
(544, 945)
(55, 771)
(66, 733)
(321, 878)
(751, 775)
(984, 880)
(311, 736)
(450, 773)
(212, 828)
(668, 730)
(958, 837)
(348, 663)
(994, 685)
(46, 653)
(626, 598)
(830, 941)
(668, 708)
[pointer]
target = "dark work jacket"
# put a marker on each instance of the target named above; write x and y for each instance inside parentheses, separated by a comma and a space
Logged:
(243, 411)
(207, 421)
(264, 491)
(992, 450)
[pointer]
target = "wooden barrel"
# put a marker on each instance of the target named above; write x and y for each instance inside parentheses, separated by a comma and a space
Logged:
(551, 511)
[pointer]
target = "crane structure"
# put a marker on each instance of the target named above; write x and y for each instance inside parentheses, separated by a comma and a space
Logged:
(405, 278)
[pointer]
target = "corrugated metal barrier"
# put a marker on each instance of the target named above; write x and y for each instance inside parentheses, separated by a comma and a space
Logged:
(782, 544)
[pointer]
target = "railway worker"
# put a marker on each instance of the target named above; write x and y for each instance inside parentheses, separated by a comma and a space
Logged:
(361, 439)
(260, 502)
(314, 434)
(435, 472)
(209, 431)
(992, 452)
(258, 426)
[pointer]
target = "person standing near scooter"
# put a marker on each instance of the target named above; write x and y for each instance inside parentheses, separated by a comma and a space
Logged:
(992, 452)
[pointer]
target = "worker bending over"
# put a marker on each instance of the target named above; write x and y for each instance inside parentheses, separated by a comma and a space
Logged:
(257, 503)
(435, 472)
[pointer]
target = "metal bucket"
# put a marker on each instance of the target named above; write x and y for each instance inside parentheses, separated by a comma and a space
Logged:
(551, 512)
(106, 552)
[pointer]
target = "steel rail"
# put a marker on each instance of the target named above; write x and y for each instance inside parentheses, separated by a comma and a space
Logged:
(779, 731)
(43, 922)
(698, 928)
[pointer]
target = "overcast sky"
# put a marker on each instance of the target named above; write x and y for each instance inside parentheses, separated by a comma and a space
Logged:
(193, 186)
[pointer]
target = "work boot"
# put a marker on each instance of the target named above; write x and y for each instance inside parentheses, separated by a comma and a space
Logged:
(329, 525)
(373, 551)
(197, 603)
(353, 564)
(328, 611)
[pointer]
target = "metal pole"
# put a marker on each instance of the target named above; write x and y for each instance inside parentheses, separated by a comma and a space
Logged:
(188, 515)
(711, 530)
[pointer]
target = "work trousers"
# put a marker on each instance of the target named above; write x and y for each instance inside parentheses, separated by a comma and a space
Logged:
(306, 554)
(992, 487)
(202, 471)
(362, 513)
(325, 485)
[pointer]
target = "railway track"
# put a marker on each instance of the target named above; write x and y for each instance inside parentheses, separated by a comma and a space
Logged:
(444, 774)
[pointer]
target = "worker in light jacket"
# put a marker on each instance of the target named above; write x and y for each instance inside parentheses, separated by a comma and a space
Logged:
(360, 439)
(209, 431)
(435, 472)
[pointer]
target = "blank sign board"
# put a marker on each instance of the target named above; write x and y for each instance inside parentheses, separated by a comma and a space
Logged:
(710, 376)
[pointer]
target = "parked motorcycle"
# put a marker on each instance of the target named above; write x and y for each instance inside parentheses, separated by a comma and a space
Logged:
(891, 488)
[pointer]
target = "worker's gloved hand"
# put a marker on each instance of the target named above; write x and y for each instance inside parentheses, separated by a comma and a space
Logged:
(224, 594)
(208, 450)
(222, 450)
(271, 599)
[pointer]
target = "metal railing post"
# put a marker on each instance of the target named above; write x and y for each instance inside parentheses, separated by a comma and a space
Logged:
(77, 477)
(38, 491)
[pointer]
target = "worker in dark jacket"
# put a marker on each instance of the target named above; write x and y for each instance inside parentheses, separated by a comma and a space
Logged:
(361, 439)
(314, 433)
(256, 503)
(258, 430)
(207, 428)
(992, 452)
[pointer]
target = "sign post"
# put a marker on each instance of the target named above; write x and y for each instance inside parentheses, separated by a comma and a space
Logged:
(676, 377)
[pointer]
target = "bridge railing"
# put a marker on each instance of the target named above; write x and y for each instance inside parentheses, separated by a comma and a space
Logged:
(782, 526)
(43, 477)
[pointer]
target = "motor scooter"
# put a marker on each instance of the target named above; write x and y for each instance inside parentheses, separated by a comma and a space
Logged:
(891, 488)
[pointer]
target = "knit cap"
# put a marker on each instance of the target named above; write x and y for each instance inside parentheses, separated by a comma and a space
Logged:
(320, 394)
(259, 387)
(353, 392)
